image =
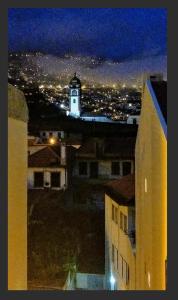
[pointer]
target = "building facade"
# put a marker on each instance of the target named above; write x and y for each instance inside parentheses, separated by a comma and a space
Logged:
(47, 167)
(151, 188)
(17, 189)
(103, 159)
(120, 234)
(136, 234)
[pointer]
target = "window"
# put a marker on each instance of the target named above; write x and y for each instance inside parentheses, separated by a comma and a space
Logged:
(134, 121)
(59, 134)
(82, 168)
(74, 100)
(123, 222)
(50, 134)
(114, 214)
(115, 168)
(146, 185)
(117, 259)
(126, 168)
(113, 253)
(38, 179)
(44, 134)
(55, 179)
(74, 93)
(124, 271)
(166, 274)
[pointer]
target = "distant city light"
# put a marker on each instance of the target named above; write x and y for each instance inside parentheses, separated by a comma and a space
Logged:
(41, 86)
(62, 106)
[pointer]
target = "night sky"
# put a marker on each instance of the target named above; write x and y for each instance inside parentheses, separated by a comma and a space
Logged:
(120, 35)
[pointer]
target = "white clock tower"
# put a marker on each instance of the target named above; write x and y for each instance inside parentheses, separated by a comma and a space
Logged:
(74, 96)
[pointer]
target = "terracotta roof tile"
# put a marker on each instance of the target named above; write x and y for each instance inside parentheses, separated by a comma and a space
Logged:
(46, 157)
(122, 190)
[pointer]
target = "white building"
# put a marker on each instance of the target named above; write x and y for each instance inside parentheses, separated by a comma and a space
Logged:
(47, 167)
(133, 119)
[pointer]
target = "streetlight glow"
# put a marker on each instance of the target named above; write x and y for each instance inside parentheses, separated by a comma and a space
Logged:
(52, 141)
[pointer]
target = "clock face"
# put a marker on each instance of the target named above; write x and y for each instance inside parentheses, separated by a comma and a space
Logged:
(74, 93)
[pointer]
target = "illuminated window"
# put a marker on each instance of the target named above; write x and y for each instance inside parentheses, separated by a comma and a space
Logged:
(146, 186)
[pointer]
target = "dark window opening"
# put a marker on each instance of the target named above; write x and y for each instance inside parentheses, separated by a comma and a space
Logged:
(115, 168)
(38, 179)
(55, 179)
(113, 212)
(126, 168)
(50, 134)
(94, 170)
(82, 168)
(44, 133)
(74, 100)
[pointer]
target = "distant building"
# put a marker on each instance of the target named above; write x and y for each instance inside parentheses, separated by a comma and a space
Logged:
(151, 188)
(75, 104)
(133, 119)
(47, 167)
(104, 159)
(120, 234)
(74, 96)
(17, 189)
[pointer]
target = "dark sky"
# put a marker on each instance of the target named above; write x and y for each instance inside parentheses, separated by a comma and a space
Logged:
(118, 34)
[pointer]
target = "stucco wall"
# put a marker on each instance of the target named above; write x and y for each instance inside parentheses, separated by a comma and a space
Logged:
(104, 168)
(17, 190)
(151, 199)
(115, 236)
(47, 176)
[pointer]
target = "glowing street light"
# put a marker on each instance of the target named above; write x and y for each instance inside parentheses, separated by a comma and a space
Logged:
(52, 141)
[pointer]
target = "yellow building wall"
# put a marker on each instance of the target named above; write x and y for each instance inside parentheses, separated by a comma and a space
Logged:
(17, 191)
(17, 205)
(151, 199)
(115, 236)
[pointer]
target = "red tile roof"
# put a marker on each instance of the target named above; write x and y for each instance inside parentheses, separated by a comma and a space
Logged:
(46, 157)
(120, 147)
(122, 190)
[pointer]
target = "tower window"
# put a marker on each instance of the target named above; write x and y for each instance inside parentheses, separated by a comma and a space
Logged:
(74, 93)
(74, 101)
